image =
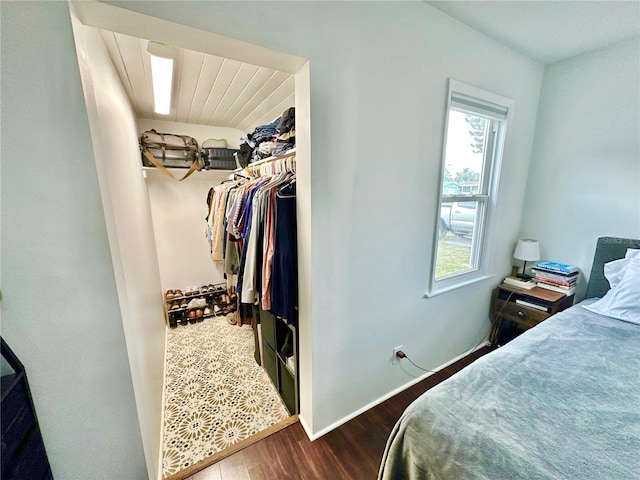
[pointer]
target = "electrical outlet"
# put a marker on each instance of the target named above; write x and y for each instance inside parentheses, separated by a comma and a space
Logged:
(395, 358)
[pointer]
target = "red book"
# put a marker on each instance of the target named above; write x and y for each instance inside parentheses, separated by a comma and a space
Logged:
(553, 281)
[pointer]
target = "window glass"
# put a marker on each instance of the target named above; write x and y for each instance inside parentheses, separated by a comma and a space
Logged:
(467, 135)
(474, 132)
(456, 238)
(464, 159)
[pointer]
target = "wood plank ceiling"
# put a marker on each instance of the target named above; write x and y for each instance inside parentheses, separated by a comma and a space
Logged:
(207, 90)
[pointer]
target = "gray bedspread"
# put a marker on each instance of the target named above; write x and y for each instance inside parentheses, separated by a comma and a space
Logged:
(562, 401)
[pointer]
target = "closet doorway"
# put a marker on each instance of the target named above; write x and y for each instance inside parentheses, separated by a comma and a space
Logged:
(216, 395)
(215, 97)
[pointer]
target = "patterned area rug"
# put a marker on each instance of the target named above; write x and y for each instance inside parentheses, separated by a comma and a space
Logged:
(216, 394)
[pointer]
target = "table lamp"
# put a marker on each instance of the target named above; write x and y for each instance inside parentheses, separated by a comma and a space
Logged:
(527, 250)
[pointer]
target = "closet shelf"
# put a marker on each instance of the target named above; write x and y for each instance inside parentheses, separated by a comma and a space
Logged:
(176, 169)
(168, 168)
(290, 153)
(176, 310)
(184, 297)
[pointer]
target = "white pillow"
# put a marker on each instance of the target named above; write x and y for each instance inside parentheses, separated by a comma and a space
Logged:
(623, 300)
(614, 271)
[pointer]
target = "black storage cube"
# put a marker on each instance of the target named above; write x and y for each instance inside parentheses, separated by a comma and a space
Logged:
(268, 322)
(33, 463)
(287, 387)
(19, 423)
(23, 452)
(282, 331)
(270, 363)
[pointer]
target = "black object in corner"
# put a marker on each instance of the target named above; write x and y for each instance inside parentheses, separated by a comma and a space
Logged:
(23, 452)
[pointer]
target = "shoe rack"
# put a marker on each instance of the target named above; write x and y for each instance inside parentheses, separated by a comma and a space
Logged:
(194, 304)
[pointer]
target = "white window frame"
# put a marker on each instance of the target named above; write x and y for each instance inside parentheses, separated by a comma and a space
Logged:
(499, 109)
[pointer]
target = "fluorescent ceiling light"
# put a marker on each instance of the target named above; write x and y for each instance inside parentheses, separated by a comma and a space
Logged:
(162, 76)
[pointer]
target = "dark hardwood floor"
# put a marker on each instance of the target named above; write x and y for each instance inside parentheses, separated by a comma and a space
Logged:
(351, 452)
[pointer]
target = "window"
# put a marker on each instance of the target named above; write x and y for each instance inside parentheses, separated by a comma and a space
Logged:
(474, 135)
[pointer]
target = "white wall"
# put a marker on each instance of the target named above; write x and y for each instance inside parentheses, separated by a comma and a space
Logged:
(584, 177)
(60, 308)
(378, 74)
(179, 210)
(128, 215)
(305, 242)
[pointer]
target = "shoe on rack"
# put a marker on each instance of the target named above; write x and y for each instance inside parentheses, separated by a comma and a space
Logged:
(183, 304)
(207, 311)
(169, 294)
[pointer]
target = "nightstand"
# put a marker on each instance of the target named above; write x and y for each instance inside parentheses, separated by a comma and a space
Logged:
(525, 308)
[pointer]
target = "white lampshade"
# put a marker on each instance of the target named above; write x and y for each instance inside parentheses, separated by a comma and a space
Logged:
(527, 250)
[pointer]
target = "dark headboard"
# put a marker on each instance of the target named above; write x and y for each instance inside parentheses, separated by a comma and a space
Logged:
(608, 249)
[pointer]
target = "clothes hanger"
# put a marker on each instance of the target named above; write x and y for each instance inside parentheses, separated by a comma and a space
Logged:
(282, 190)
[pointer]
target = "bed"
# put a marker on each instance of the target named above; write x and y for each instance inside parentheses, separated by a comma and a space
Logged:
(561, 401)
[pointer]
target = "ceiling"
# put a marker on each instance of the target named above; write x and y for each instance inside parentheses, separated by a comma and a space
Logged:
(549, 31)
(211, 90)
(207, 90)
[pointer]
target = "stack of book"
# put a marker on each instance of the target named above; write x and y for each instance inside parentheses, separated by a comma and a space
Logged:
(520, 283)
(558, 277)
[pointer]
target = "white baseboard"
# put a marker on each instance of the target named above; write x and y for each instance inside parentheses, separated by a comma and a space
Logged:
(334, 425)
(306, 428)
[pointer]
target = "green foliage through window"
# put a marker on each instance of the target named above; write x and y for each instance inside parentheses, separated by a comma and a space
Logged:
(477, 132)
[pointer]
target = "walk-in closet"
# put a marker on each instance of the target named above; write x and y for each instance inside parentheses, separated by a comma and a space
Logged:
(215, 217)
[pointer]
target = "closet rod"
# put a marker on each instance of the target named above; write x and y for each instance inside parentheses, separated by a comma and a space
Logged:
(290, 153)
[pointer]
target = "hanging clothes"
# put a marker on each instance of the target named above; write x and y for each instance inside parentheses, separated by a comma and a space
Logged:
(252, 224)
(215, 219)
(284, 297)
